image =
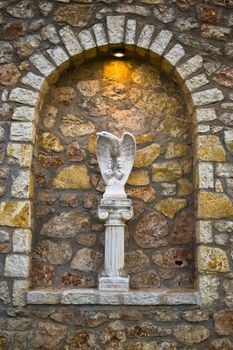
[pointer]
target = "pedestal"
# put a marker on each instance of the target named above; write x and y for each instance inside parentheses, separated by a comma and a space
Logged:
(115, 212)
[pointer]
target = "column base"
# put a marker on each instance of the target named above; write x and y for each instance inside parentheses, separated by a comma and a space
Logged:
(120, 284)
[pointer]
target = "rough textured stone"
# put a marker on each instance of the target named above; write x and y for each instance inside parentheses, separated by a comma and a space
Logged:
(135, 261)
(183, 228)
(77, 280)
(175, 150)
(146, 156)
(166, 171)
(113, 335)
(211, 205)
(212, 260)
(42, 275)
(4, 293)
(17, 266)
(86, 260)
(49, 160)
(138, 178)
(74, 152)
(22, 240)
(210, 148)
(209, 14)
(148, 195)
(208, 286)
(198, 315)
(50, 142)
(224, 322)
(63, 94)
(9, 74)
(55, 253)
(146, 279)
(148, 329)
(225, 77)
(66, 225)
(82, 339)
(20, 154)
(151, 231)
(72, 126)
(220, 344)
(49, 335)
(49, 116)
(174, 258)
(77, 16)
(224, 170)
(73, 177)
(171, 206)
(15, 214)
(190, 335)
(22, 186)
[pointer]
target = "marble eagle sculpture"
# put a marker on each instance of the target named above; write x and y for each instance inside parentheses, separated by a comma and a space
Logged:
(115, 157)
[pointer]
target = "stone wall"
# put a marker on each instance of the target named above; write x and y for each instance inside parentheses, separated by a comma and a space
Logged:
(117, 96)
(191, 42)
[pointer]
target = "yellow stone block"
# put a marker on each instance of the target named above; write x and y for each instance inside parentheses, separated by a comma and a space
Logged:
(15, 214)
(144, 138)
(72, 177)
(185, 187)
(214, 205)
(171, 206)
(166, 171)
(210, 148)
(91, 145)
(212, 260)
(146, 156)
(50, 142)
(176, 150)
(20, 154)
(138, 178)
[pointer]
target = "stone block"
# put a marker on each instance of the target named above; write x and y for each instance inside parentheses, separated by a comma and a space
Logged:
(170, 206)
(189, 67)
(160, 43)
(4, 294)
(23, 185)
(58, 55)
(19, 153)
(15, 214)
(87, 40)
(4, 236)
(224, 322)
(72, 177)
(208, 288)
(211, 259)
(166, 171)
(42, 64)
(173, 57)
(138, 178)
(205, 175)
(24, 113)
(130, 35)
(224, 170)
(24, 96)
(116, 30)
(146, 36)
(70, 41)
(189, 335)
(100, 35)
(204, 232)
(214, 205)
(22, 132)
(228, 139)
(145, 156)
(196, 82)
(22, 239)
(205, 114)
(17, 266)
(207, 97)
(33, 80)
(20, 288)
(209, 148)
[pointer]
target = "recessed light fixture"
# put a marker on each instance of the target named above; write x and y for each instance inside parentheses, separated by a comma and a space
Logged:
(119, 53)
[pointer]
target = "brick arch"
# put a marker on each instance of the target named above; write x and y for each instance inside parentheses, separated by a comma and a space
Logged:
(155, 46)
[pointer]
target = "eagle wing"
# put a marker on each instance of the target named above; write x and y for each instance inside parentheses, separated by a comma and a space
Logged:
(127, 154)
(103, 147)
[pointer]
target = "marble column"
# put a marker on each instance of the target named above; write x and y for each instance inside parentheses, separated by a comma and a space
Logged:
(115, 212)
